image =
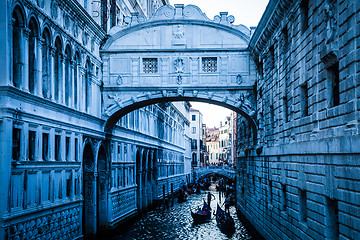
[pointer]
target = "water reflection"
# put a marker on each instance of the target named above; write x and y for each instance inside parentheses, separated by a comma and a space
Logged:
(176, 223)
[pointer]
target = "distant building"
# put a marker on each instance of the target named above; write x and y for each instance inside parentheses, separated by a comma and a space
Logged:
(212, 145)
(196, 135)
(224, 140)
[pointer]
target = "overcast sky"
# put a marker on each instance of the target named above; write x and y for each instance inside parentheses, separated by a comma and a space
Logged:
(246, 12)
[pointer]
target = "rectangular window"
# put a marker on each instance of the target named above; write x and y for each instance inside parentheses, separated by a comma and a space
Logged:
(76, 149)
(32, 141)
(150, 65)
(270, 191)
(68, 186)
(193, 130)
(334, 79)
(285, 109)
(67, 143)
(16, 144)
(302, 206)
(304, 13)
(304, 100)
(76, 188)
(272, 57)
(193, 117)
(283, 197)
(57, 147)
(45, 146)
(332, 219)
(209, 64)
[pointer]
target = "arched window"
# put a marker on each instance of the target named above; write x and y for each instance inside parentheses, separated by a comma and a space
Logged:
(18, 63)
(58, 69)
(32, 54)
(46, 64)
(76, 81)
(88, 73)
(68, 77)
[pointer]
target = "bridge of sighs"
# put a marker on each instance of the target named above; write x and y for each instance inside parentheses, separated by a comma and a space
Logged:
(179, 54)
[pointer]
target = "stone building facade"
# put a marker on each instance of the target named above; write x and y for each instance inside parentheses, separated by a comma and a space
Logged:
(61, 176)
(197, 151)
(212, 145)
(301, 180)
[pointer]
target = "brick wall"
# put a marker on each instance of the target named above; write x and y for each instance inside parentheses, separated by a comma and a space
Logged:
(302, 179)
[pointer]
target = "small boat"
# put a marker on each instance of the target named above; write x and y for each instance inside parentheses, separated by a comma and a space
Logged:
(224, 221)
(182, 197)
(203, 214)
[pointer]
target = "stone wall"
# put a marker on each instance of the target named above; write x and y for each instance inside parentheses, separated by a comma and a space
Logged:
(301, 181)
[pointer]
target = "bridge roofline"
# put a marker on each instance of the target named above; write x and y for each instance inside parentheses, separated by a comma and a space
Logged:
(168, 15)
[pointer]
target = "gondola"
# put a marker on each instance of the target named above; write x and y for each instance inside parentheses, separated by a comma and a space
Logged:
(182, 197)
(224, 221)
(203, 214)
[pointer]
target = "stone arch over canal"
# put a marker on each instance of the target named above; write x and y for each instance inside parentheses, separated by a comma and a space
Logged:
(178, 55)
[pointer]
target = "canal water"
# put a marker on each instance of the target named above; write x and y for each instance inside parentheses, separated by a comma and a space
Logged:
(176, 223)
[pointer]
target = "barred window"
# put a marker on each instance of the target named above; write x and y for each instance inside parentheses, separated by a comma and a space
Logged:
(209, 64)
(150, 65)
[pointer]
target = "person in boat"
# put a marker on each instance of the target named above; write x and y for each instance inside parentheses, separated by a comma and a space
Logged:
(209, 196)
(227, 204)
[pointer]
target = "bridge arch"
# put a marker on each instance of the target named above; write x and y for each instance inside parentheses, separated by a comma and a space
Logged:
(119, 111)
(179, 54)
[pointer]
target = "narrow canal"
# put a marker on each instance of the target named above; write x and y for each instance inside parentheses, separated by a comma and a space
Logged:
(176, 223)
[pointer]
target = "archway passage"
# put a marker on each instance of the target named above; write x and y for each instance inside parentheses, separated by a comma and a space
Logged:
(178, 55)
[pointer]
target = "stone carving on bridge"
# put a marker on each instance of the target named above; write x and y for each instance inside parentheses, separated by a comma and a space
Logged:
(180, 92)
(244, 102)
(239, 79)
(179, 79)
(116, 101)
(178, 35)
(119, 80)
(164, 93)
(179, 65)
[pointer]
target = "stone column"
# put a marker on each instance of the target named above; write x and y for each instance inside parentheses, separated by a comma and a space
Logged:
(38, 77)
(62, 79)
(25, 58)
(24, 142)
(6, 126)
(81, 84)
(52, 73)
(89, 194)
(38, 144)
(72, 83)
(52, 145)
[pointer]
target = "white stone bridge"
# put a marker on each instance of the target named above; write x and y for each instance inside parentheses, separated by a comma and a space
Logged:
(177, 55)
(224, 171)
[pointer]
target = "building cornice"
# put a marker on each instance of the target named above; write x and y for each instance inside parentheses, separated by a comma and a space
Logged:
(274, 13)
(79, 12)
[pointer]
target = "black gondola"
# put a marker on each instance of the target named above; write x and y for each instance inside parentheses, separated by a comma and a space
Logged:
(224, 221)
(182, 197)
(201, 215)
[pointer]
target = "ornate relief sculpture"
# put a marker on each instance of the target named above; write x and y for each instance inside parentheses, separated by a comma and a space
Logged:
(244, 102)
(119, 80)
(178, 35)
(179, 79)
(239, 79)
(179, 65)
